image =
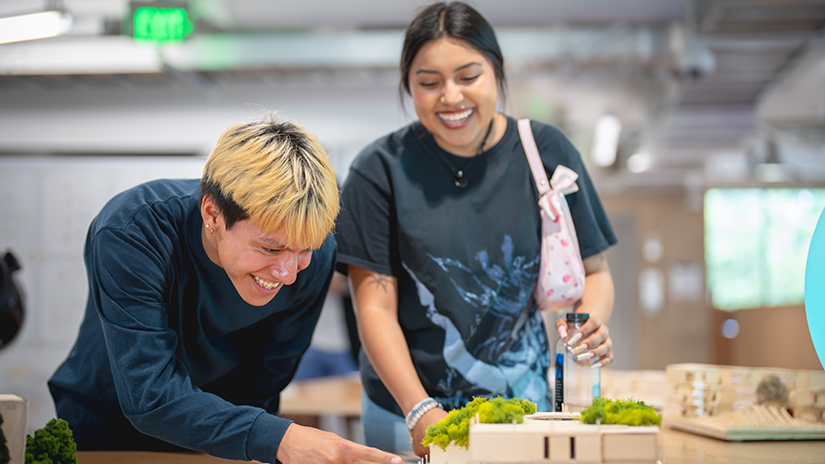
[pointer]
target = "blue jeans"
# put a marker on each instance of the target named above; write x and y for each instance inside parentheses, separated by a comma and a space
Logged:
(383, 429)
(317, 363)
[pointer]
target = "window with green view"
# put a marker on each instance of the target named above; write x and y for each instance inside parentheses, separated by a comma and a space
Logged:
(756, 244)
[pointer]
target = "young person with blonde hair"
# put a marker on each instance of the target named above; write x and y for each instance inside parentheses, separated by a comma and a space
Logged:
(203, 295)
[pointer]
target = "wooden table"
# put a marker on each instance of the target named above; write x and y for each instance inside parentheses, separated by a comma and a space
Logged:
(676, 447)
(342, 396)
(325, 395)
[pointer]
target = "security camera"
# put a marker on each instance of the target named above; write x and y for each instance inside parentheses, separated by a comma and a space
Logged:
(696, 62)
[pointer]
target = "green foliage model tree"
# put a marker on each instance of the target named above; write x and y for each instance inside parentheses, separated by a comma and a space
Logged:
(5, 456)
(627, 412)
(53, 444)
(456, 426)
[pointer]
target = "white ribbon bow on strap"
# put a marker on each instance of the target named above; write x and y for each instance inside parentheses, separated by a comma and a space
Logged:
(563, 182)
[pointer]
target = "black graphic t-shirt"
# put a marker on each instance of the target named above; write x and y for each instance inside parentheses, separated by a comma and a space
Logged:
(466, 260)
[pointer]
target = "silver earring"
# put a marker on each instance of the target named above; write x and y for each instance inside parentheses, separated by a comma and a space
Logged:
(211, 230)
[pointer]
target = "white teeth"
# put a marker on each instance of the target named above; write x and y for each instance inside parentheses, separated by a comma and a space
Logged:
(452, 117)
(265, 284)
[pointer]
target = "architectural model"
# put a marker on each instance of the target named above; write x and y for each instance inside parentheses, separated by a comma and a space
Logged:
(740, 403)
(550, 439)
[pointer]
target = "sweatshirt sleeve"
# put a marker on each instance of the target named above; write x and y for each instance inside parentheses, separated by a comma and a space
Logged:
(127, 279)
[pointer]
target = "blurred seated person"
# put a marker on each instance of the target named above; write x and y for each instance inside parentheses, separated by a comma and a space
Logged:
(330, 351)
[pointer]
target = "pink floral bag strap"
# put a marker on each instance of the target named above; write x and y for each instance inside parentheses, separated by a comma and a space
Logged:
(564, 178)
(533, 157)
(561, 277)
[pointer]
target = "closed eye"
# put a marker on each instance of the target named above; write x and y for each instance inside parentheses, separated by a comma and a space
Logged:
(470, 79)
(271, 251)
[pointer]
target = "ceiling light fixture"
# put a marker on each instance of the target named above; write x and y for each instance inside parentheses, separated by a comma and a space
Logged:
(639, 162)
(771, 169)
(34, 26)
(606, 140)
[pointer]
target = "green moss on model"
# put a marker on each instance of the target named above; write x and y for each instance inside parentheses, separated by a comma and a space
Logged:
(627, 412)
(456, 426)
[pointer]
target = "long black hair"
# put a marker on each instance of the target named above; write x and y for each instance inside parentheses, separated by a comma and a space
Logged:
(457, 20)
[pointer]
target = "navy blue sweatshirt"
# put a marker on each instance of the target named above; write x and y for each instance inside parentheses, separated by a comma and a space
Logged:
(168, 354)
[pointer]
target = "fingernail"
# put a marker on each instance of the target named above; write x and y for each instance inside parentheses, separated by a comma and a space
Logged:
(580, 348)
(563, 331)
(396, 460)
(595, 366)
(584, 356)
(575, 338)
(594, 359)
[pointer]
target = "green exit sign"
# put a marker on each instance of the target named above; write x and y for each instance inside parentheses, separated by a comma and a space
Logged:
(162, 24)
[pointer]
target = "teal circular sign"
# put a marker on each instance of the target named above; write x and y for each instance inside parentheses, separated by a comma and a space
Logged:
(815, 288)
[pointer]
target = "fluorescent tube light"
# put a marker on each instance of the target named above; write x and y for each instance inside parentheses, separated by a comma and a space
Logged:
(606, 140)
(34, 26)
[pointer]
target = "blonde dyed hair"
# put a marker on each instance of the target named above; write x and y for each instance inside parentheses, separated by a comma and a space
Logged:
(278, 176)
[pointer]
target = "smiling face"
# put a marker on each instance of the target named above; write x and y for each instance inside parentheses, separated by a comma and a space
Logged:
(455, 92)
(258, 264)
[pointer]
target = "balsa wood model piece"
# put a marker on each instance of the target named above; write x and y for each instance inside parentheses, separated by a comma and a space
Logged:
(13, 409)
(548, 438)
(738, 403)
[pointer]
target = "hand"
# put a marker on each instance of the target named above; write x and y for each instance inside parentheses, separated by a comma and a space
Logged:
(420, 430)
(592, 338)
(306, 444)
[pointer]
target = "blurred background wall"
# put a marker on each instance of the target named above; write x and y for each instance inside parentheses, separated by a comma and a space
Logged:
(705, 109)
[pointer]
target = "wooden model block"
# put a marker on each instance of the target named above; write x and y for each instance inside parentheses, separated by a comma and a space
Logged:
(692, 386)
(552, 441)
(817, 380)
(751, 422)
(727, 395)
(690, 372)
(588, 448)
(802, 379)
(809, 413)
(453, 454)
(511, 443)
(735, 377)
(801, 396)
(643, 385)
(13, 409)
(742, 377)
(559, 448)
(630, 447)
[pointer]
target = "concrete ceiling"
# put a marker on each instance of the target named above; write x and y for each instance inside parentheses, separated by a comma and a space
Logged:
(699, 79)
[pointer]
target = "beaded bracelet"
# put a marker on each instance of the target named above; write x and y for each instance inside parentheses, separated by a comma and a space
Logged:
(417, 412)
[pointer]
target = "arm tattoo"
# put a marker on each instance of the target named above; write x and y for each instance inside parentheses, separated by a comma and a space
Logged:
(381, 280)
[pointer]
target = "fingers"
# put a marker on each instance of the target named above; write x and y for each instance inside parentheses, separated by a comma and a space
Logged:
(306, 444)
(599, 356)
(371, 455)
(420, 431)
(591, 344)
(591, 334)
(581, 334)
(561, 327)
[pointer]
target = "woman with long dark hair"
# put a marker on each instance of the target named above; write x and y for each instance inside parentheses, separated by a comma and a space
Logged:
(440, 235)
